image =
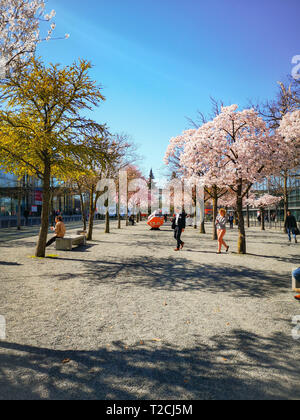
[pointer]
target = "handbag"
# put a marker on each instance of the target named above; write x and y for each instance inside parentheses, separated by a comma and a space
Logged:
(297, 231)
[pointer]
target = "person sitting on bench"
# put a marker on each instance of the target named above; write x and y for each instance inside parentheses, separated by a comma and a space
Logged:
(60, 230)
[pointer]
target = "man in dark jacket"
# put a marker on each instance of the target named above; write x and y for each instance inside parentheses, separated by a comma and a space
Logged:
(291, 226)
(26, 216)
(178, 225)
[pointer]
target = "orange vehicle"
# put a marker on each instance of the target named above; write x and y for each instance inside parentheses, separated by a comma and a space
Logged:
(156, 220)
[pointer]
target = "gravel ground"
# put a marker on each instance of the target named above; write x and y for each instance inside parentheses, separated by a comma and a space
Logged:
(128, 318)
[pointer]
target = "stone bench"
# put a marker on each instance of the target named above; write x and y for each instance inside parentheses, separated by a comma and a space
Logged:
(67, 243)
(295, 284)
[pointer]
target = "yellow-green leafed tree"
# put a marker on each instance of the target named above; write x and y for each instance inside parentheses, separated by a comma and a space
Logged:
(88, 169)
(95, 170)
(41, 124)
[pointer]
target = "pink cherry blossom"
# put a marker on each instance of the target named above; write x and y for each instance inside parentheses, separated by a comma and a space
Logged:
(263, 202)
(233, 151)
(290, 130)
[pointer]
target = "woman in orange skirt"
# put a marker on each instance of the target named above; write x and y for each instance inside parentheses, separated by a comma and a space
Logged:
(221, 230)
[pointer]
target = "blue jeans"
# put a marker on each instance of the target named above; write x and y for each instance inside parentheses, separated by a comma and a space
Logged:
(291, 231)
(296, 274)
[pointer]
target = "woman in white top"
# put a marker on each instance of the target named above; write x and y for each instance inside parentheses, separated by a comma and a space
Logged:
(221, 230)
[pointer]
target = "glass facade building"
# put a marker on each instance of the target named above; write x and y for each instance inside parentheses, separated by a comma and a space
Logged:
(276, 184)
(27, 192)
(8, 199)
(294, 200)
(14, 191)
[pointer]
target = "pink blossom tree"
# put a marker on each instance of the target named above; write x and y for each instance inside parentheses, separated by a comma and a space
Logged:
(139, 197)
(228, 201)
(290, 129)
(262, 203)
(192, 170)
(289, 133)
(273, 112)
(235, 151)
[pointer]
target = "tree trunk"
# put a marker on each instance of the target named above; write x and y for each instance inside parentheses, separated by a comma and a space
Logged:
(52, 209)
(127, 219)
(248, 217)
(82, 206)
(262, 213)
(202, 227)
(119, 219)
(150, 198)
(90, 226)
(215, 213)
(241, 225)
(236, 218)
(107, 225)
(91, 216)
(285, 196)
(118, 209)
(41, 245)
(202, 218)
(19, 210)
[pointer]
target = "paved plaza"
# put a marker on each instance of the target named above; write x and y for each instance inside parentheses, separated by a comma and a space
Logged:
(128, 318)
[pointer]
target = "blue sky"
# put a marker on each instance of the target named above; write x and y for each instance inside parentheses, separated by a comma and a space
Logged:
(159, 61)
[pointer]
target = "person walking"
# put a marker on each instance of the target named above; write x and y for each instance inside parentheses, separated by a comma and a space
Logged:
(259, 218)
(60, 230)
(53, 217)
(231, 221)
(26, 216)
(291, 226)
(178, 224)
(221, 230)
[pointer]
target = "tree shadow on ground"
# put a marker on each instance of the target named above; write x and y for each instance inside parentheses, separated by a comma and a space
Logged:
(280, 243)
(292, 259)
(180, 275)
(262, 237)
(240, 365)
(18, 244)
(83, 248)
(9, 263)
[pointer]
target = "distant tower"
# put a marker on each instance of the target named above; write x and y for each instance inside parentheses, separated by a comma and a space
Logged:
(151, 175)
(150, 183)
